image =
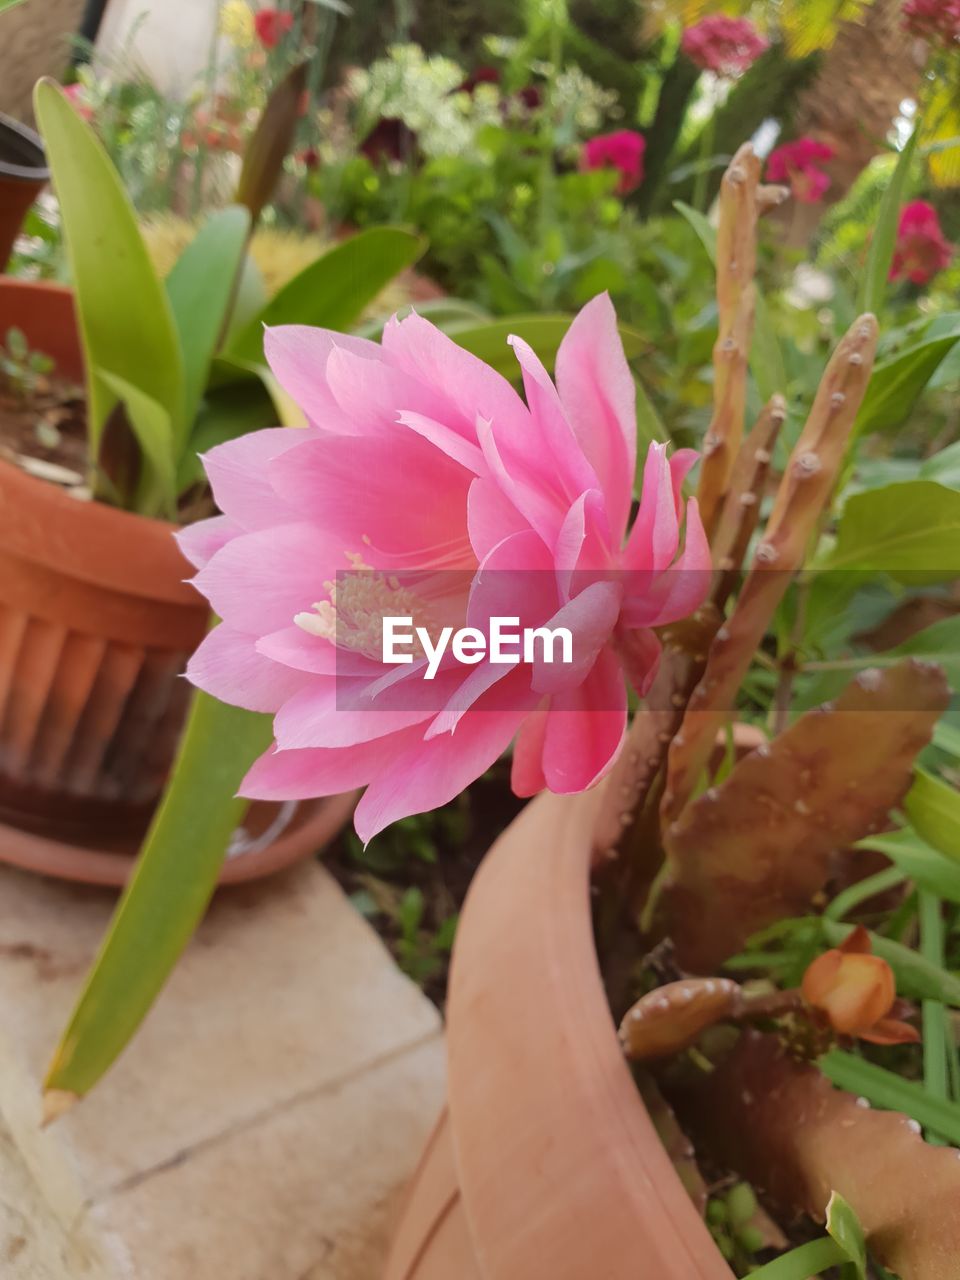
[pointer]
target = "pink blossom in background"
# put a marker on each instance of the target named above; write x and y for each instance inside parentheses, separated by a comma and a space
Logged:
(622, 151)
(272, 25)
(934, 20)
(724, 45)
(922, 250)
(795, 163)
(425, 486)
(77, 96)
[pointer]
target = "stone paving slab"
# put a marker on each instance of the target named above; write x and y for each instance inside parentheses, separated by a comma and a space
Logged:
(274, 1101)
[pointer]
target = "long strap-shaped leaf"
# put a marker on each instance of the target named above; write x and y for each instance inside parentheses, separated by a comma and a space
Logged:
(126, 322)
(167, 896)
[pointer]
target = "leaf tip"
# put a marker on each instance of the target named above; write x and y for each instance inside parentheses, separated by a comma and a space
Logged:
(56, 1103)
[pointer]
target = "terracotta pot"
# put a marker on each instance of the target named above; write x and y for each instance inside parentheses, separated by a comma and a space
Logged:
(546, 1165)
(23, 174)
(96, 624)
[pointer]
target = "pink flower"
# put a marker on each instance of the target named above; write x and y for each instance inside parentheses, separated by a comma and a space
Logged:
(921, 249)
(934, 20)
(426, 488)
(76, 94)
(724, 45)
(622, 151)
(795, 163)
(271, 26)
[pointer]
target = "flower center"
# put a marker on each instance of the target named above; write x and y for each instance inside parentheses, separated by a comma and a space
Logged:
(352, 616)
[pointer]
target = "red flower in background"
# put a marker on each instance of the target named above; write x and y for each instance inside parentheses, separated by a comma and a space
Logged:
(271, 26)
(622, 151)
(795, 163)
(933, 19)
(922, 249)
(724, 45)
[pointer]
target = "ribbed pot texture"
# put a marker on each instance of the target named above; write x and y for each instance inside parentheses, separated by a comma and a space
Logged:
(96, 623)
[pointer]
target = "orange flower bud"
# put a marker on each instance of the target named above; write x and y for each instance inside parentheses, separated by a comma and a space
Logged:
(855, 990)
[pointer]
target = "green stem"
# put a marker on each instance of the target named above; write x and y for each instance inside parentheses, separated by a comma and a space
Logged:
(935, 1026)
(804, 1263)
(707, 138)
(863, 890)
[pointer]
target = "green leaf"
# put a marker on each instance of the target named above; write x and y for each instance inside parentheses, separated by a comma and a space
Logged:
(892, 1092)
(844, 1226)
(933, 808)
(804, 1262)
(897, 383)
(154, 431)
(488, 341)
(126, 321)
(873, 285)
(226, 413)
(901, 529)
(9, 4)
(333, 291)
(168, 894)
(766, 358)
(919, 861)
(201, 287)
(944, 467)
(916, 977)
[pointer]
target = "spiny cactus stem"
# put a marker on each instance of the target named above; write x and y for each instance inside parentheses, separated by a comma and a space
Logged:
(804, 492)
(736, 257)
(741, 508)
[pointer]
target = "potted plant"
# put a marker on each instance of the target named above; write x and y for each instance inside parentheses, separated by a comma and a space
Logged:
(23, 175)
(98, 620)
(661, 870)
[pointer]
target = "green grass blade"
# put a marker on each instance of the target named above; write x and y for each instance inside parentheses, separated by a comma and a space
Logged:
(805, 1262)
(201, 287)
(891, 1092)
(126, 321)
(935, 1025)
(168, 894)
(873, 285)
(933, 808)
(333, 291)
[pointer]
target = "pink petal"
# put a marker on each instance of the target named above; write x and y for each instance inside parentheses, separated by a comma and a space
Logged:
(315, 717)
(200, 541)
(227, 666)
(430, 774)
(655, 535)
(583, 544)
(679, 590)
(382, 499)
(373, 393)
(585, 728)
(491, 517)
(298, 355)
(680, 463)
(239, 476)
(590, 617)
(526, 774)
(260, 581)
(448, 441)
(552, 449)
(302, 775)
(469, 386)
(304, 651)
(599, 397)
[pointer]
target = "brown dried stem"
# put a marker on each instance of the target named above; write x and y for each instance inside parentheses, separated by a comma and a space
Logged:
(805, 491)
(741, 507)
(736, 299)
(780, 1124)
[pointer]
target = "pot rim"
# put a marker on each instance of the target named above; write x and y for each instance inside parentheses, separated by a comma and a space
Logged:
(38, 171)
